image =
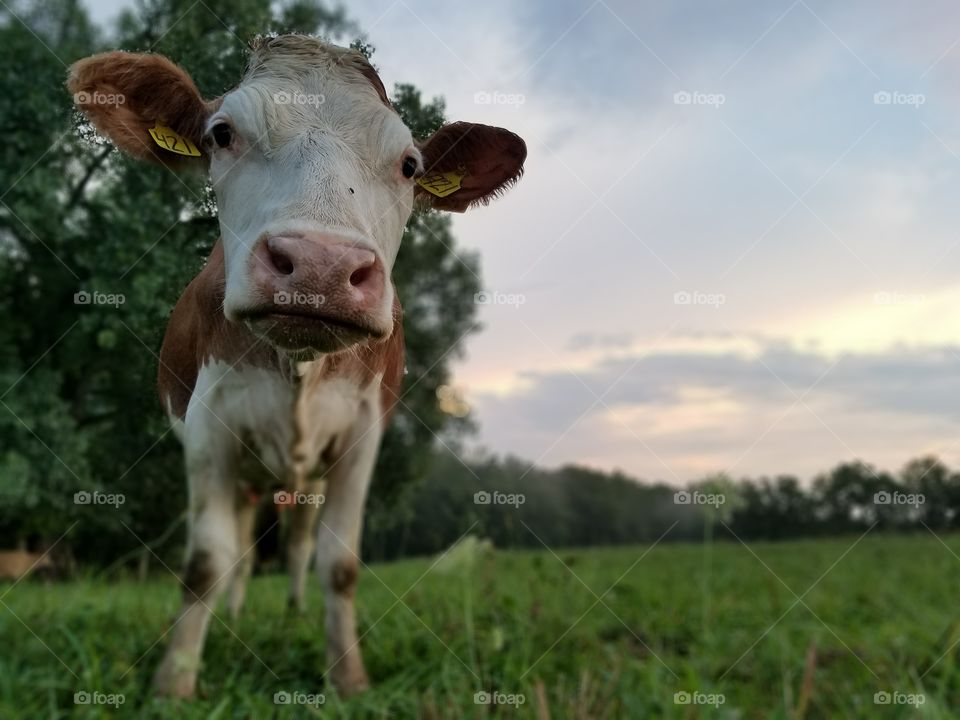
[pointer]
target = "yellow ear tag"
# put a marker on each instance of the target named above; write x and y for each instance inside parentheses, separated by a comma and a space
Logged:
(441, 184)
(170, 140)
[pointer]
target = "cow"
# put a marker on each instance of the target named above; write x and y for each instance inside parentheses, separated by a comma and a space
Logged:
(283, 358)
(17, 564)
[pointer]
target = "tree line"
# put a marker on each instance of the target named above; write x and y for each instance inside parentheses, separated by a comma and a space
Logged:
(516, 505)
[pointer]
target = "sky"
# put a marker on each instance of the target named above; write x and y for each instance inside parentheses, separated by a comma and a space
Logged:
(734, 247)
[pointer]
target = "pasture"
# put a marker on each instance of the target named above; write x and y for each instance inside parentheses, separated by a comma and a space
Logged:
(806, 629)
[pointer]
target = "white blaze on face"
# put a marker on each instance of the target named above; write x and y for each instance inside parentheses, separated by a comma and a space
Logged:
(312, 149)
(314, 173)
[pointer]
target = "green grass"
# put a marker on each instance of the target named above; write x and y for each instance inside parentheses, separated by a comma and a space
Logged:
(878, 618)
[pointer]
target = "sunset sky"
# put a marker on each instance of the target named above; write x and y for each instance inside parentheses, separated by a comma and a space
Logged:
(791, 168)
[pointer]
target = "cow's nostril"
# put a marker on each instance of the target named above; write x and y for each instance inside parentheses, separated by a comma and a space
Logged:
(361, 275)
(281, 261)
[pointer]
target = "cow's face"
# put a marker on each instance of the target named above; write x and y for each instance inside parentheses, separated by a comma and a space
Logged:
(315, 177)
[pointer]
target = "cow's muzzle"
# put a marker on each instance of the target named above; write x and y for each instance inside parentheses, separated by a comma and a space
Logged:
(317, 292)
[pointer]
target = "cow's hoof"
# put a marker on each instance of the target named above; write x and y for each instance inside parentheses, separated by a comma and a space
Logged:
(295, 608)
(350, 680)
(170, 683)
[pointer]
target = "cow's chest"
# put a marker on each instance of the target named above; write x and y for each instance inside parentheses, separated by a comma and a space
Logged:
(279, 429)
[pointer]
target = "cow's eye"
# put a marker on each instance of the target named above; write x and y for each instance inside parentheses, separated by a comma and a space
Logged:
(222, 134)
(409, 167)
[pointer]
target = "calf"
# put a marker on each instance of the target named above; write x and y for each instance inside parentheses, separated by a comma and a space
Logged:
(284, 356)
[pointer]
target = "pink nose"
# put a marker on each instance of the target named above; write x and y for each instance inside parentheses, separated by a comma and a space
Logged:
(319, 274)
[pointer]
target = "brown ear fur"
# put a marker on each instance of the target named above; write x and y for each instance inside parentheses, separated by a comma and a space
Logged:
(489, 158)
(146, 89)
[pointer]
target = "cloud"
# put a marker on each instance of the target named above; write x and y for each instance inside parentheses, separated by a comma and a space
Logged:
(589, 340)
(673, 415)
(918, 381)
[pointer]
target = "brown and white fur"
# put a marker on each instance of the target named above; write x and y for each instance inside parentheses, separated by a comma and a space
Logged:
(283, 358)
(15, 564)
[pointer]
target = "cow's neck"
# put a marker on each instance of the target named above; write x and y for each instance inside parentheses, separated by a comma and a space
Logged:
(199, 334)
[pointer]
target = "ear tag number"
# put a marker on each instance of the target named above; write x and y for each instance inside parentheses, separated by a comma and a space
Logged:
(172, 141)
(441, 184)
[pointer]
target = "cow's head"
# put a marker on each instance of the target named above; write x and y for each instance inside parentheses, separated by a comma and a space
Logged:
(315, 177)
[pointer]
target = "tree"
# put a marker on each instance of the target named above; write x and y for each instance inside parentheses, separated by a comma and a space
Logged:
(928, 480)
(774, 510)
(80, 410)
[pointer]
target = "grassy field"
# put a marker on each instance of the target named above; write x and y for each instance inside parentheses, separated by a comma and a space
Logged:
(881, 616)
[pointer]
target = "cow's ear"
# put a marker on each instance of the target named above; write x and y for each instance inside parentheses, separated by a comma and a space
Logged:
(145, 104)
(468, 164)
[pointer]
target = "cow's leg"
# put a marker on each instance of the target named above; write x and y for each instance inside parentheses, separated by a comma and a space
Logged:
(211, 554)
(246, 519)
(338, 540)
(300, 546)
